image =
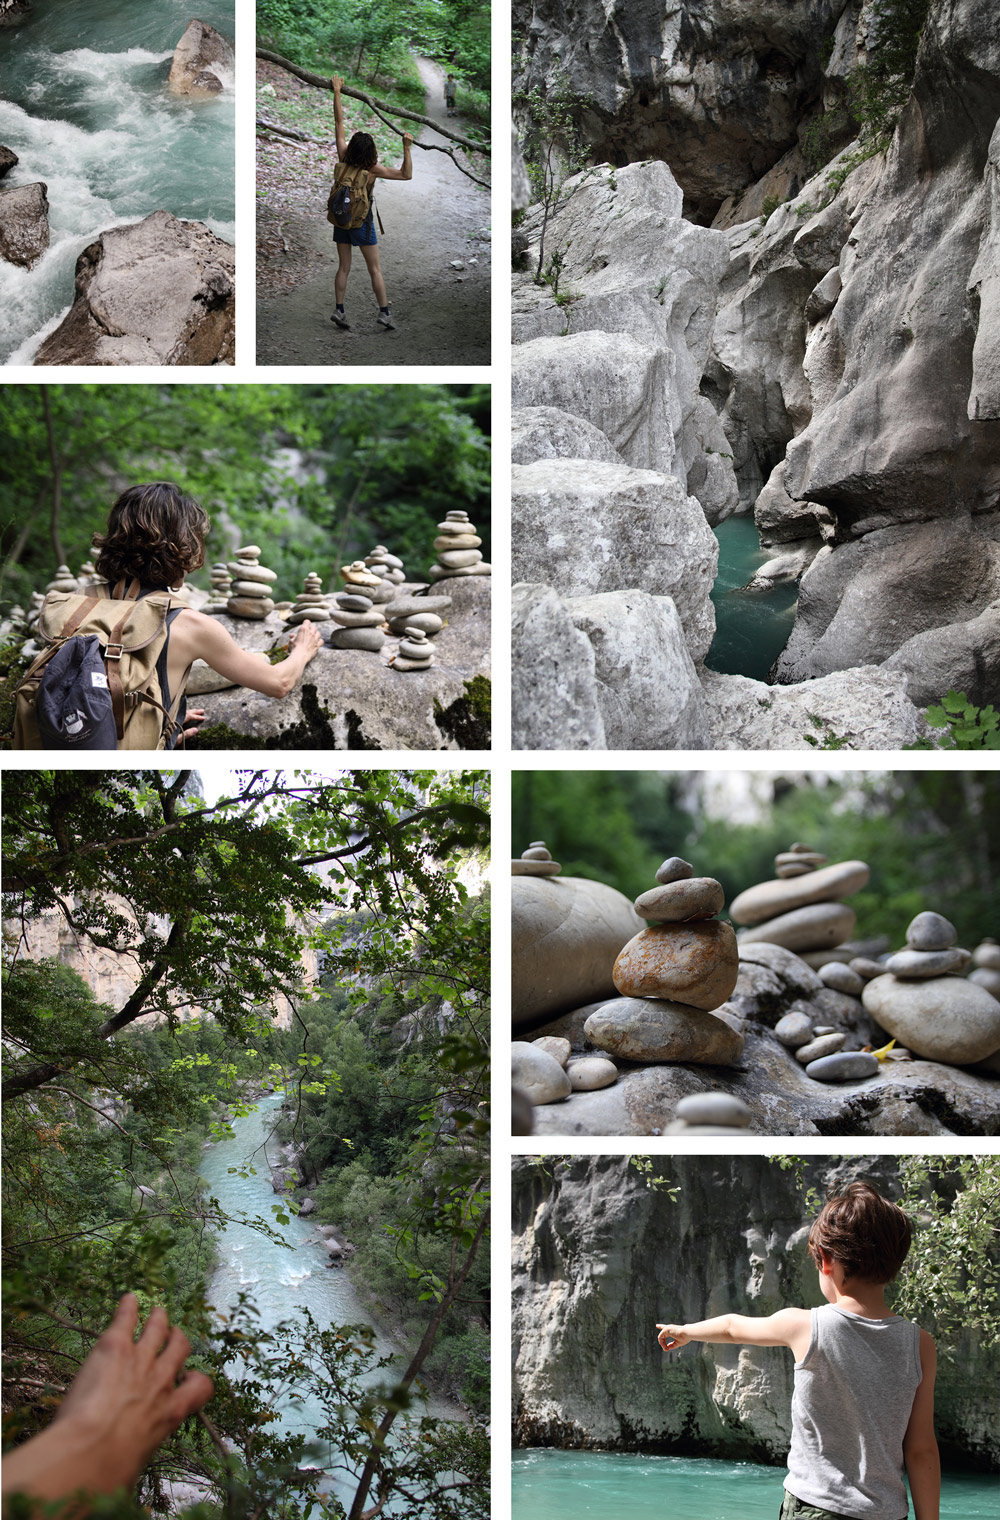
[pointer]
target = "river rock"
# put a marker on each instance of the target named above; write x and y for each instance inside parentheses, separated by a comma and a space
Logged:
(655, 1029)
(715, 1108)
(203, 62)
(537, 1074)
(770, 898)
(697, 897)
(674, 869)
(823, 1045)
(692, 963)
(565, 934)
(370, 639)
(843, 1066)
(559, 1049)
(24, 223)
(867, 707)
(943, 1019)
(158, 292)
(865, 967)
(8, 159)
(14, 12)
(841, 978)
(921, 964)
(794, 1030)
(591, 1073)
(987, 955)
(986, 977)
(804, 928)
(930, 931)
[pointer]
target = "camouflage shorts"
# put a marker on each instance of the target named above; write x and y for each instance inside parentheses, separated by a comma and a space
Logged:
(797, 1509)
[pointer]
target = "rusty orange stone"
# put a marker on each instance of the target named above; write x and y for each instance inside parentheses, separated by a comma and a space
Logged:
(693, 963)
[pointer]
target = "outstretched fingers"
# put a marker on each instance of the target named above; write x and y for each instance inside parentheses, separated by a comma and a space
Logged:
(192, 1392)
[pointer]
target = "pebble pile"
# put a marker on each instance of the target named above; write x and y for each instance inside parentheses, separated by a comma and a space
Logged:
(250, 596)
(359, 622)
(65, 580)
(415, 652)
(672, 976)
(801, 909)
(921, 1000)
(535, 861)
(986, 960)
(310, 604)
(457, 546)
(221, 588)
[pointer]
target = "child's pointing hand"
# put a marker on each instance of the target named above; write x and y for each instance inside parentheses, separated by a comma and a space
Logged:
(672, 1337)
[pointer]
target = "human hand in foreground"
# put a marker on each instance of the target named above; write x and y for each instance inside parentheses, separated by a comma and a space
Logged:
(672, 1337)
(306, 639)
(194, 716)
(337, 83)
(407, 139)
(127, 1398)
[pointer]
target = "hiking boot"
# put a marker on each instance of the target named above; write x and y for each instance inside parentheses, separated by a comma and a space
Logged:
(339, 316)
(385, 318)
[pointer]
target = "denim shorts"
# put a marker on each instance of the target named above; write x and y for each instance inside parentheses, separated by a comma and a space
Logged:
(358, 237)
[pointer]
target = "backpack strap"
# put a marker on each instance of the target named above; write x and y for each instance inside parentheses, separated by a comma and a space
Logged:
(73, 623)
(377, 217)
(129, 593)
(112, 661)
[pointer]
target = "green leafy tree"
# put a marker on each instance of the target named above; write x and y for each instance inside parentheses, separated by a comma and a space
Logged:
(553, 147)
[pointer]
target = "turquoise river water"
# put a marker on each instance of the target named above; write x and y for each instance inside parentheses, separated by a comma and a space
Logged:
(750, 630)
(281, 1281)
(585, 1485)
(84, 103)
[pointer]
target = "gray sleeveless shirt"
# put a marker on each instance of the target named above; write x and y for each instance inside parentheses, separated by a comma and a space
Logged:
(851, 1405)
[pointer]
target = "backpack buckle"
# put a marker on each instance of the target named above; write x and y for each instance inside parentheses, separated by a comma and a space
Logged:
(114, 651)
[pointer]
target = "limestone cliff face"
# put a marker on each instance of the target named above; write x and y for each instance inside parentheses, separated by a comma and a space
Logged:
(599, 1258)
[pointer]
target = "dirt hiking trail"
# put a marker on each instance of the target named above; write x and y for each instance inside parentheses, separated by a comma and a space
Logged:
(436, 219)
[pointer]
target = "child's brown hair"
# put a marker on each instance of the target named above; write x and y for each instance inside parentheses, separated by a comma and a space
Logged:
(866, 1233)
(155, 533)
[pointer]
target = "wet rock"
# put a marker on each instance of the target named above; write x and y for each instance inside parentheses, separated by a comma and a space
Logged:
(158, 292)
(24, 223)
(203, 62)
(8, 158)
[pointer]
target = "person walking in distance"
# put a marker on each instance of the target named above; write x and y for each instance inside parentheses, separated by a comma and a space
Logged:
(358, 167)
(449, 95)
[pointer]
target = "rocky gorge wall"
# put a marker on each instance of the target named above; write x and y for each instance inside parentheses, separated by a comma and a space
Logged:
(833, 368)
(599, 1258)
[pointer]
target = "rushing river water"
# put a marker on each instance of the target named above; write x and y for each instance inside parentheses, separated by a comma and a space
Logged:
(583, 1485)
(84, 103)
(750, 630)
(282, 1281)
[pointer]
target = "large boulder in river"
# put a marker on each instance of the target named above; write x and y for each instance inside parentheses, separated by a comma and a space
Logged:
(159, 292)
(203, 62)
(8, 158)
(24, 223)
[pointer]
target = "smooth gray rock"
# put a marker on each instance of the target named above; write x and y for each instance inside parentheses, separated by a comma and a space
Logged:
(675, 869)
(823, 1045)
(554, 697)
(920, 964)
(770, 898)
(984, 291)
(796, 974)
(24, 223)
(8, 160)
(547, 432)
(841, 978)
(945, 1019)
(987, 955)
(565, 934)
(537, 1074)
(804, 928)
(590, 1073)
(559, 1049)
(719, 1108)
(160, 291)
(653, 1029)
(987, 978)
(794, 1030)
(697, 897)
(843, 1066)
(867, 707)
(931, 931)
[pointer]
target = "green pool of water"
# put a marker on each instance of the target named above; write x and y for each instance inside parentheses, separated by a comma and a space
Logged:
(588, 1485)
(750, 630)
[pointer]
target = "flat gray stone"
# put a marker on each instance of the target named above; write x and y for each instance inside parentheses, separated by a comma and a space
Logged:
(794, 1030)
(823, 1045)
(820, 925)
(716, 1108)
(843, 1066)
(841, 978)
(653, 1029)
(675, 901)
(917, 965)
(770, 898)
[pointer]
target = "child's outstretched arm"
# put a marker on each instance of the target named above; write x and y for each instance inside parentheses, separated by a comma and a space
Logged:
(920, 1449)
(789, 1327)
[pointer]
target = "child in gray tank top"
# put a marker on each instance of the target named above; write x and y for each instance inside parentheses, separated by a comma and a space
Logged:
(863, 1399)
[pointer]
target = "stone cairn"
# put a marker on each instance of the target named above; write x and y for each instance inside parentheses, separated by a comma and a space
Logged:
(672, 976)
(457, 548)
(65, 580)
(310, 604)
(415, 652)
(921, 1000)
(251, 590)
(221, 589)
(359, 622)
(543, 1069)
(986, 961)
(801, 909)
(385, 565)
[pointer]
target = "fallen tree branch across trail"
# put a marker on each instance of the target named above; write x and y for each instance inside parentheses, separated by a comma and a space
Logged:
(320, 83)
(299, 137)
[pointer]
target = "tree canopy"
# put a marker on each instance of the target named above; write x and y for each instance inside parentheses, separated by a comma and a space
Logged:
(317, 475)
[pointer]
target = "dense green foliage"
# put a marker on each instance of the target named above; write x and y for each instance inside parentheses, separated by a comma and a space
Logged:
(369, 37)
(554, 148)
(315, 474)
(881, 87)
(222, 909)
(963, 725)
(931, 838)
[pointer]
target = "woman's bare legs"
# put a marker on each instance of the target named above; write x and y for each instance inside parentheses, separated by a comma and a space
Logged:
(343, 270)
(371, 258)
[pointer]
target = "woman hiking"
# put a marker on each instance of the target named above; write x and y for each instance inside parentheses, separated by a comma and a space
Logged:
(358, 162)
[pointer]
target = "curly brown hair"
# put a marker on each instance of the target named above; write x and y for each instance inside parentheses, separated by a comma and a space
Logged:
(361, 151)
(156, 533)
(866, 1233)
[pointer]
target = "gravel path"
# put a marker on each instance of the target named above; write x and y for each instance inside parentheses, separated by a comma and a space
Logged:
(431, 223)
